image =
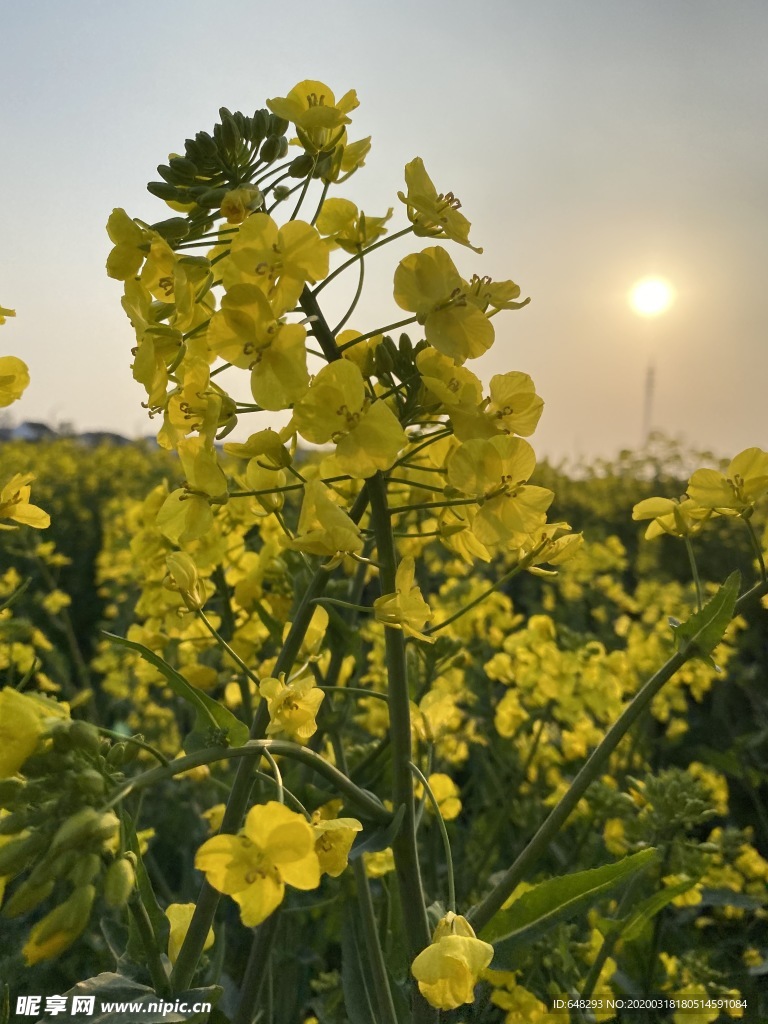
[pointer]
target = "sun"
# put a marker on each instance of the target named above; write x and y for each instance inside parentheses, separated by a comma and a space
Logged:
(650, 296)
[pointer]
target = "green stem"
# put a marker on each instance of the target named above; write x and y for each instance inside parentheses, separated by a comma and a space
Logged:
(694, 572)
(355, 691)
(304, 190)
(136, 741)
(245, 692)
(443, 834)
(323, 194)
(355, 300)
(278, 780)
(757, 548)
(437, 435)
(482, 912)
(397, 509)
(149, 942)
(404, 846)
(256, 970)
(360, 255)
(379, 330)
(471, 604)
(368, 804)
(373, 945)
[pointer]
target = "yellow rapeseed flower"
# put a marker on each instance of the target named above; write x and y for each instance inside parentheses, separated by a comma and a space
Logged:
(448, 969)
(275, 848)
(737, 490)
(433, 214)
(319, 117)
(428, 284)
(336, 408)
(14, 379)
(292, 706)
(333, 841)
(15, 505)
(406, 609)
(180, 915)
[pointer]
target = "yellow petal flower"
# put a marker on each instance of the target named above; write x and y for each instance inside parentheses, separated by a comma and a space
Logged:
(4, 313)
(428, 284)
(448, 969)
(318, 116)
(275, 848)
(324, 528)
(406, 609)
(14, 378)
(432, 214)
(333, 841)
(180, 915)
(738, 489)
(292, 707)
(15, 505)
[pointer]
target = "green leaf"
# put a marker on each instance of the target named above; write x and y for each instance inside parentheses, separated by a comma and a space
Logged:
(703, 631)
(213, 722)
(134, 950)
(359, 993)
(553, 901)
(633, 925)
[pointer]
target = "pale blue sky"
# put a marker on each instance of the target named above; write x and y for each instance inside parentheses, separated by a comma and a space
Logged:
(592, 142)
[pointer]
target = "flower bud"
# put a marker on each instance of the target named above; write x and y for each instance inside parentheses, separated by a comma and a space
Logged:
(85, 870)
(11, 790)
(184, 578)
(16, 854)
(119, 882)
(27, 897)
(59, 929)
(86, 826)
(85, 736)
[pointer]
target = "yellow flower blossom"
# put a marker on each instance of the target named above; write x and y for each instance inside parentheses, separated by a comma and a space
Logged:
(406, 609)
(246, 333)
(738, 490)
(15, 505)
(131, 245)
(344, 226)
(380, 863)
(14, 379)
(445, 791)
(684, 518)
(5, 313)
(279, 260)
(180, 915)
(336, 408)
(214, 817)
(433, 215)
(318, 116)
(448, 969)
(497, 469)
(324, 528)
(334, 839)
(22, 724)
(292, 707)
(275, 848)
(428, 284)
(59, 928)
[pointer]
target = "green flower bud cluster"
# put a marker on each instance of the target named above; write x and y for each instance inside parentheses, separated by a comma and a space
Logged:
(55, 842)
(213, 164)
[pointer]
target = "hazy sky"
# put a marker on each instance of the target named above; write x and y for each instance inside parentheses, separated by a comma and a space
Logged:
(592, 143)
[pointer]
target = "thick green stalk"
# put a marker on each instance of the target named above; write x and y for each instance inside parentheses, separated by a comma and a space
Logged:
(404, 846)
